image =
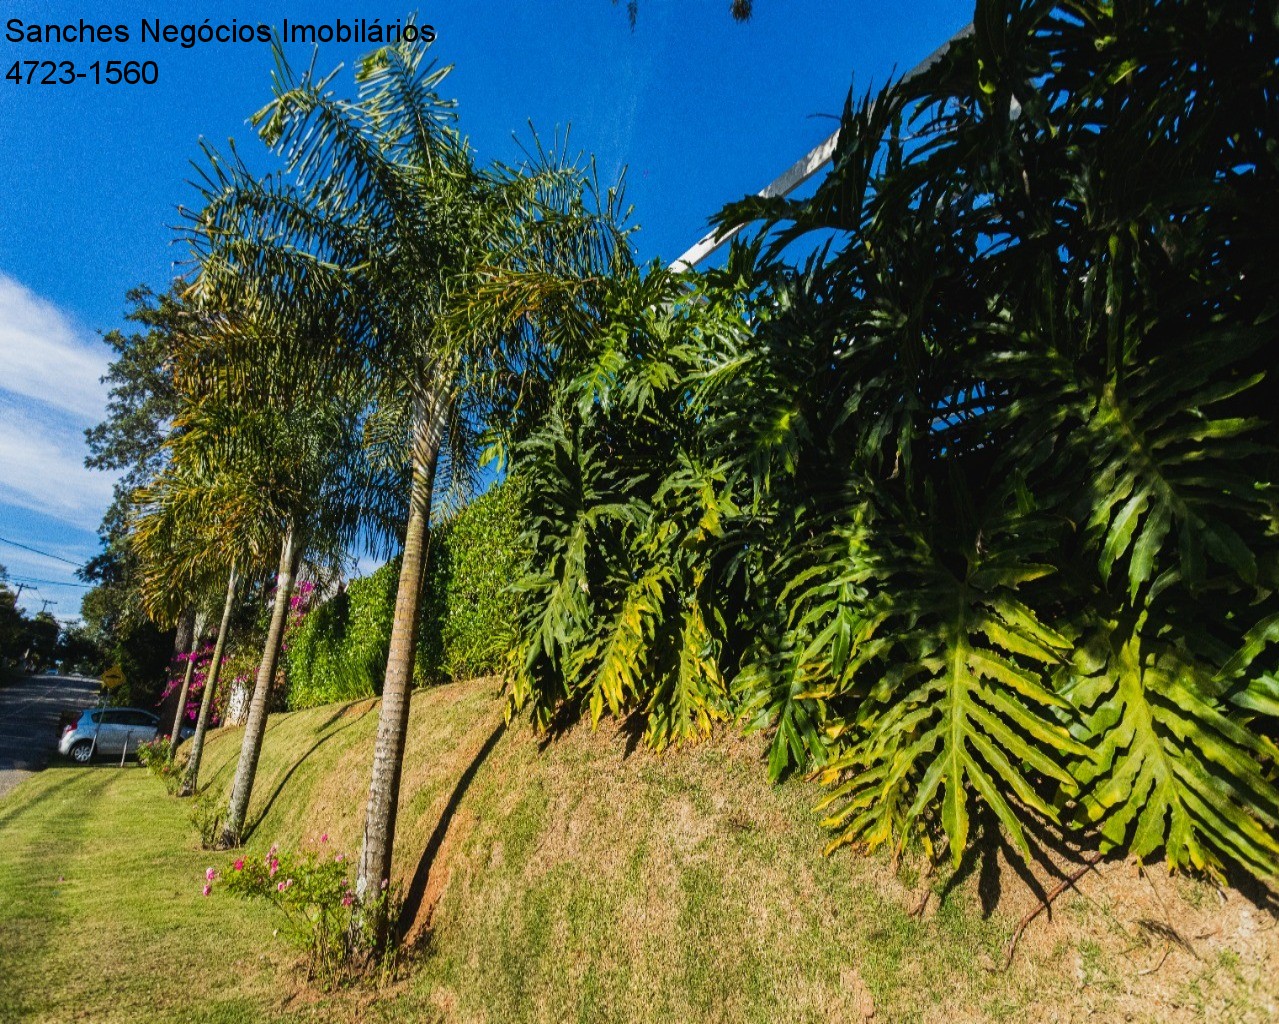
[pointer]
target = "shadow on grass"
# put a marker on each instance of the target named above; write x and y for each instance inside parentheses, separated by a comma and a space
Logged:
(284, 780)
(416, 894)
(229, 765)
(69, 775)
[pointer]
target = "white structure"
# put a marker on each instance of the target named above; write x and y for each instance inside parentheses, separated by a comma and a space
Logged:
(798, 172)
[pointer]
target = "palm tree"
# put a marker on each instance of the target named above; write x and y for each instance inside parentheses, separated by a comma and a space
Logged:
(192, 528)
(297, 439)
(199, 624)
(191, 773)
(384, 209)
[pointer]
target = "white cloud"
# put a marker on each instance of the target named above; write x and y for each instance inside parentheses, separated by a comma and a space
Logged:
(42, 468)
(50, 390)
(44, 358)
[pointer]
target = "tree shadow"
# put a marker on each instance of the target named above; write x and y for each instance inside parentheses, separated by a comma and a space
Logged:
(631, 726)
(414, 897)
(1254, 890)
(562, 719)
(284, 780)
(18, 809)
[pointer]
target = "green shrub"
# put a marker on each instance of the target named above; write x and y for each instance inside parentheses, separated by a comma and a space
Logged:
(338, 652)
(468, 613)
(154, 756)
(974, 509)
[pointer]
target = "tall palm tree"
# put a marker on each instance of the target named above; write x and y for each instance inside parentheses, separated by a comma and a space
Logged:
(297, 435)
(384, 208)
(194, 528)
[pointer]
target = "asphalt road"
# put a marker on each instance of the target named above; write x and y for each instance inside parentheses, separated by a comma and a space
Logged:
(29, 712)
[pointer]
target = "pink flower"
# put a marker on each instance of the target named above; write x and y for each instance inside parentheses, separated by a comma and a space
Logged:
(274, 866)
(385, 882)
(280, 887)
(207, 889)
(324, 838)
(347, 900)
(210, 875)
(339, 857)
(239, 864)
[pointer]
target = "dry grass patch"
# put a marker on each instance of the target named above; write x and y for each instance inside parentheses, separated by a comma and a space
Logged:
(584, 879)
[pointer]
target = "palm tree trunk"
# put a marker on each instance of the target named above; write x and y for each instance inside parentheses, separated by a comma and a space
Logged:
(255, 727)
(184, 635)
(388, 755)
(175, 737)
(191, 777)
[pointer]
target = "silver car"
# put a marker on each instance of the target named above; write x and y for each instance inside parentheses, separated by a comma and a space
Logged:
(110, 732)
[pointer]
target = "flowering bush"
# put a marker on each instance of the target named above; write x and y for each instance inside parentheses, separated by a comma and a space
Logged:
(155, 755)
(313, 893)
(202, 656)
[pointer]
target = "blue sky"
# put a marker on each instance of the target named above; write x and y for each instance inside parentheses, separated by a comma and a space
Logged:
(699, 108)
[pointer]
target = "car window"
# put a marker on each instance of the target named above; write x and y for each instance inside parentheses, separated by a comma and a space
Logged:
(91, 716)
(138, 718)
(112, 717)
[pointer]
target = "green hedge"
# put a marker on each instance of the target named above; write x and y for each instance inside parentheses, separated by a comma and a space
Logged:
(338, 652)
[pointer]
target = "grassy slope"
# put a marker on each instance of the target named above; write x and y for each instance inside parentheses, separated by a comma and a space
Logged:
(576, 883)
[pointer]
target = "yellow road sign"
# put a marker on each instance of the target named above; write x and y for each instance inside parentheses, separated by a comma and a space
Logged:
(113, 677)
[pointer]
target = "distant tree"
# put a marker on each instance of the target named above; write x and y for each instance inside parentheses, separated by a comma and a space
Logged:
(114, 621)
(78, 648)
(12, 622)
(42, 638)
(142, 401)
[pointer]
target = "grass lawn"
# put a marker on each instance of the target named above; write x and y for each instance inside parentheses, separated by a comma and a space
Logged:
(102, 913)
(584, 881)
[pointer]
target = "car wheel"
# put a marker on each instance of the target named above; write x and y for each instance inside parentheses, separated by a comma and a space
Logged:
(82, 752)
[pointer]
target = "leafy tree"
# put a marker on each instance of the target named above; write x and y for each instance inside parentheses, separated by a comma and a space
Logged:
(42, 638)
(78, 649)
(12, 622)
(112, 613)
(142, 401)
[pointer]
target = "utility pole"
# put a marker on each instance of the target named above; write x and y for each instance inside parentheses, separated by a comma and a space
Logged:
(44, 603)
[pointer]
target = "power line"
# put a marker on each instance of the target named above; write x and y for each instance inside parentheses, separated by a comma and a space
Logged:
(32, 581)
(37, 551)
